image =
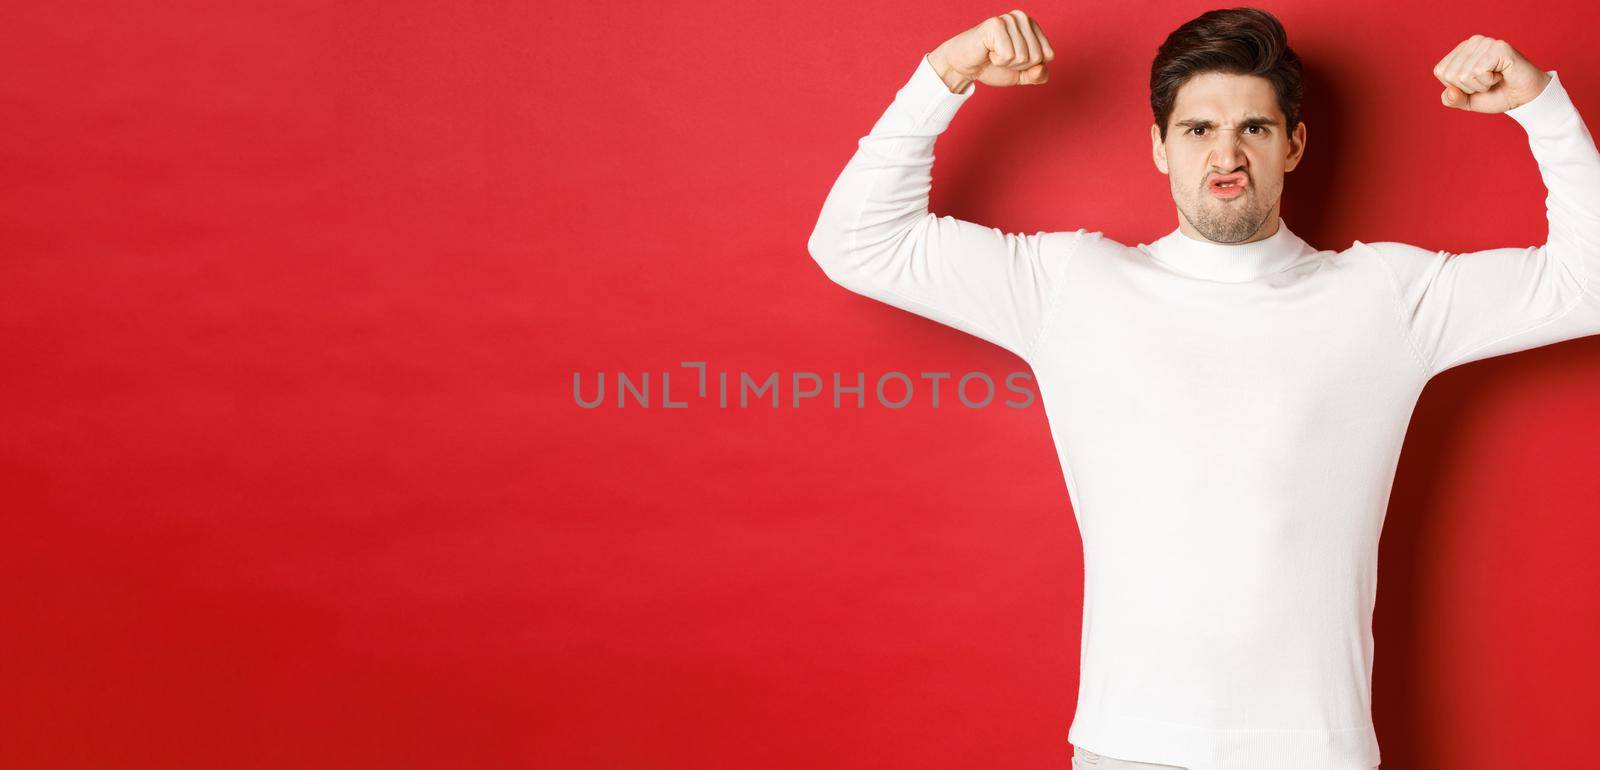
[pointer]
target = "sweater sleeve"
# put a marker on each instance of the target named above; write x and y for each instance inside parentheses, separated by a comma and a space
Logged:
(1462, 307)
(876, 237)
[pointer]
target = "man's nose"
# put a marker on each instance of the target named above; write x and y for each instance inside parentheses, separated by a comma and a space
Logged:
(1225, 151)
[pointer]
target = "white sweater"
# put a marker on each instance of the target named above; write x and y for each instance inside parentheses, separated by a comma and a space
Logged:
(1228, 420)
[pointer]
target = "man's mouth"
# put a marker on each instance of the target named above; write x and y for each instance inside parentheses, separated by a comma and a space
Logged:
(1227, 185)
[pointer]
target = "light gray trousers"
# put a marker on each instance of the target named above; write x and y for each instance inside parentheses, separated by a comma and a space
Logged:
(1084, 759)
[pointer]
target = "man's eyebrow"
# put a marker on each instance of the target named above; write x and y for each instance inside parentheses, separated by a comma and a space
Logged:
(1251, 120)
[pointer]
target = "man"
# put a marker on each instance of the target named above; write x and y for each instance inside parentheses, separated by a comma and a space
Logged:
(1228, 403)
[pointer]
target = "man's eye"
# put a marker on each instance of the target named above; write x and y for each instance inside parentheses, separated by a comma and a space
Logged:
(1262, 130)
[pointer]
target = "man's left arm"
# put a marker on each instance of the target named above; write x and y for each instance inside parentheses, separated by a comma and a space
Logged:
(1463, 307)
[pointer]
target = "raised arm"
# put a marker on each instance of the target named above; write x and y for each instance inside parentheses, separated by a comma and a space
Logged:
(1464, 307)
(876, 236)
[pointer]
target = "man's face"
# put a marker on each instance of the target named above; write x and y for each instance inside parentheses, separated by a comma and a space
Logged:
(1226, 125)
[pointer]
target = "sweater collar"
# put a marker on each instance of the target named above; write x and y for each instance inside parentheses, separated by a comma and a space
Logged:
(1233, 262)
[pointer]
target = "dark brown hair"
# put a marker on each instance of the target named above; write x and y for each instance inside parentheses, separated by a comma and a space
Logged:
(1238, 41)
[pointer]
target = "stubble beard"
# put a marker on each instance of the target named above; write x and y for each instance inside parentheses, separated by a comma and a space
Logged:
(1226, 220)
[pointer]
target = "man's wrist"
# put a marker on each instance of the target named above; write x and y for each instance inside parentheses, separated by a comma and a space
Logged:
(1545, 85)
(953, 80)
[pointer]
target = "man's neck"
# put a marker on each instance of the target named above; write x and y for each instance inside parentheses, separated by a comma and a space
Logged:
(1267, 229)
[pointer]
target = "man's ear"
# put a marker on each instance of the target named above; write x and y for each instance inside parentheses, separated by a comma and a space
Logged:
(1297, 147)
(1158, 149)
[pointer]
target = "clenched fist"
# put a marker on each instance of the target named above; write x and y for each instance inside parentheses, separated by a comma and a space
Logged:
(1483, 74)
(1004, 50)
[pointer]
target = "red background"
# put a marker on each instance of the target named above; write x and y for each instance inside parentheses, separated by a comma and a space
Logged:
(292, 299)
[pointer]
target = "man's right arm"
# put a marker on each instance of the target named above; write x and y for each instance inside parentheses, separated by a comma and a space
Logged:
(876, 236)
